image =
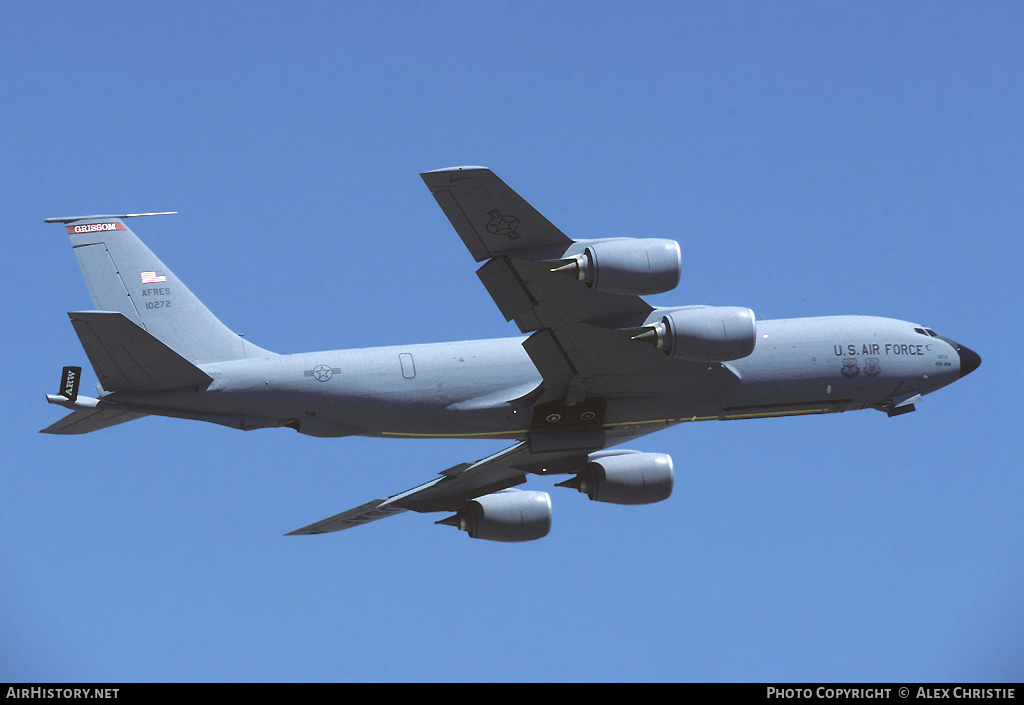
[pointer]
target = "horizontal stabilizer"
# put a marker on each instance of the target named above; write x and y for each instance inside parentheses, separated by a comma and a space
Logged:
(87, 420)
(74, 218)
(127, 358)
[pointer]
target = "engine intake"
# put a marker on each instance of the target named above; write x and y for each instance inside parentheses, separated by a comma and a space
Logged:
(705, 333)
(625, 477)
(509, 516)
(628, 266)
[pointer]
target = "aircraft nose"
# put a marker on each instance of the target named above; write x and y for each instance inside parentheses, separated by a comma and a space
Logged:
(969, 360)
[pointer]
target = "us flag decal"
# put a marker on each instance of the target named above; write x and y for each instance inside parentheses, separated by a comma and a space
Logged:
(153, 278)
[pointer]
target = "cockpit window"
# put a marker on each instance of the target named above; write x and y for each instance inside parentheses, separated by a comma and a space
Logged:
(926, 331)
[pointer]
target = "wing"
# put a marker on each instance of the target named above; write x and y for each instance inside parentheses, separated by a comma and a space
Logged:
(583, 331)
(491, 218)
(456, 486)
(582, 344)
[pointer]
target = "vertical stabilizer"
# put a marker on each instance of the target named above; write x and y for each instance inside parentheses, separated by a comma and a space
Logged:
(123, 275)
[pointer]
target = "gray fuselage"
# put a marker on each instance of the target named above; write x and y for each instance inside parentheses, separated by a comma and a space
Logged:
(470, 389)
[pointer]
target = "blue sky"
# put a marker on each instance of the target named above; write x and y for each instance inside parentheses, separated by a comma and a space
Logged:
(811, 158)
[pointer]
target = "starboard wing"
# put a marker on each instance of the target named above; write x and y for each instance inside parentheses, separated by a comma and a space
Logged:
(491, 218)
(582, 342)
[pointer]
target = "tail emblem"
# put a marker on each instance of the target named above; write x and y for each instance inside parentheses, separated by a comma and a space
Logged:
(153, 278)
(69, 382)
(94, 228)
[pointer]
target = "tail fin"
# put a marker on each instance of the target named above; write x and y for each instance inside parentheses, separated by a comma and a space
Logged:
(124, 276)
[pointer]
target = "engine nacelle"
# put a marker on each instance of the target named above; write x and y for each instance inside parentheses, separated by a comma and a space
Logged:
(705, 333)
(509, 515)
(625, 477)
(628, 266)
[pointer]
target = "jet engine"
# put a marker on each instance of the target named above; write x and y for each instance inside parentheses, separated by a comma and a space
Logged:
(628, 266)
(704, 333)
(509, 515)
(625, 477)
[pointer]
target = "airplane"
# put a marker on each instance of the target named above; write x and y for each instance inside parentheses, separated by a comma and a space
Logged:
(595, 365)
